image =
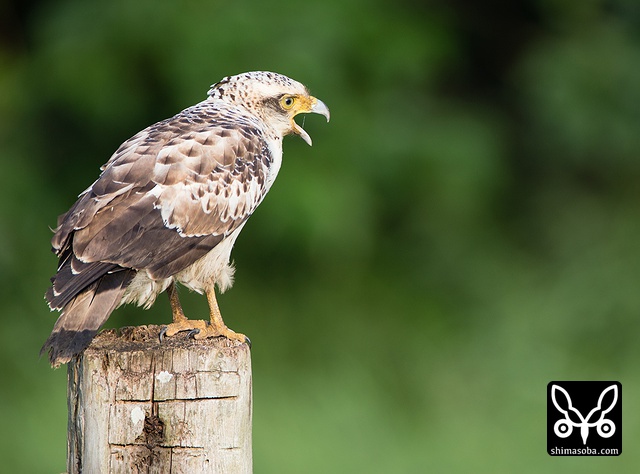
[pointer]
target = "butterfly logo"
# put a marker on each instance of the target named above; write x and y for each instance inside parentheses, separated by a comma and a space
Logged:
(574, 419)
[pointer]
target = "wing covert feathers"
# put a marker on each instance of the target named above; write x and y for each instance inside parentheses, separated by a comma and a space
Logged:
(174, 185)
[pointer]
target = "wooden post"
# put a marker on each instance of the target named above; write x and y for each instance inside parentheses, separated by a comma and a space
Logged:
(140, 406)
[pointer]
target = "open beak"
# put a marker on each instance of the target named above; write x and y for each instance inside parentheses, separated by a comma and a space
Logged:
(316, 106)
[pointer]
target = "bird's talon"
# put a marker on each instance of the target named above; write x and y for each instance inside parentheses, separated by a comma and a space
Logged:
(247, 341)
(192, 333)
(163, 331)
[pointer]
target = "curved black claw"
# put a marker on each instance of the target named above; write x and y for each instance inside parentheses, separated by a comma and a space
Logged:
(163, 331)
(247, 341)
(193, 333)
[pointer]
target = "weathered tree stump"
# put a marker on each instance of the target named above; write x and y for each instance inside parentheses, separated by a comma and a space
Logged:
(140, 406)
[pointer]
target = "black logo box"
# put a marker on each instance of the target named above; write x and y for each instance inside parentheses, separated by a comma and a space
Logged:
(584, 409)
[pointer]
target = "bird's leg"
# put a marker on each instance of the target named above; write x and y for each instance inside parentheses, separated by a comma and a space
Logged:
(174, 301)
(215, 327)
(180, 321)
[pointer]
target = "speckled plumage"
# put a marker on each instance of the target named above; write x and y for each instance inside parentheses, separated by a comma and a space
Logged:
(170, 203)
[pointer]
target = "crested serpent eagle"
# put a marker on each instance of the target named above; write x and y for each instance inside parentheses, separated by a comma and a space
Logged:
(168, 207)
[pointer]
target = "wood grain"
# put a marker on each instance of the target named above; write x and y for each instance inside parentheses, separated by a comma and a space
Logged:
(140, 406)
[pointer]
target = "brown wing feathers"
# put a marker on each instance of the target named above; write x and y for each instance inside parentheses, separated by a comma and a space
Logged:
(161, 203)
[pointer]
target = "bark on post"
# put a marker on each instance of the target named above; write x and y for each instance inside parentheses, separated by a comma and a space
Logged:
(138, 406)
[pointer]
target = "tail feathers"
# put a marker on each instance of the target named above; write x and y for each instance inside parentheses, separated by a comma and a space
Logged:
(73, 276)
(83, 316)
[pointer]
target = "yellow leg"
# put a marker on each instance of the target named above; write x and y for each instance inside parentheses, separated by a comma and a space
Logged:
(215, 327)
(174, 301)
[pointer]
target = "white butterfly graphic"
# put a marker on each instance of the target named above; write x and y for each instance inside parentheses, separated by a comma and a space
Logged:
(564, 426)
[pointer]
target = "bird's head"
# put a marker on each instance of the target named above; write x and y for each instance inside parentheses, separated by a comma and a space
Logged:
(275, 98)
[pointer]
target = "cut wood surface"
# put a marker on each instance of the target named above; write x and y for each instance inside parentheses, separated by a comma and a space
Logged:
(140, 406)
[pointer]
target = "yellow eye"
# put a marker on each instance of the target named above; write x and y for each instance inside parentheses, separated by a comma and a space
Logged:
(287, 102)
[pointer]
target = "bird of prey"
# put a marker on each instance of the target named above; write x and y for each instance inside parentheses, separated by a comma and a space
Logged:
(168, 207)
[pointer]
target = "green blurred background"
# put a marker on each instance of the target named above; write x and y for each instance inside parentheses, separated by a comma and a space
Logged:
(464, 231)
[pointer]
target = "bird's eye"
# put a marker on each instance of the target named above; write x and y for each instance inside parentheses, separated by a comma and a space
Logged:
(287, 102)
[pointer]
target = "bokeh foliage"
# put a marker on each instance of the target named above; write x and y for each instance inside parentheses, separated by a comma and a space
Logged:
(464, 231)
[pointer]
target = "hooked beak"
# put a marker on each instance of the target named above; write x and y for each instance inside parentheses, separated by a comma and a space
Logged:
(315, 106)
